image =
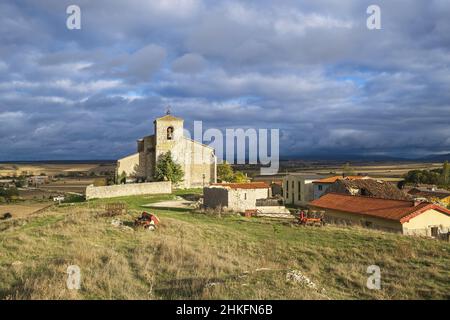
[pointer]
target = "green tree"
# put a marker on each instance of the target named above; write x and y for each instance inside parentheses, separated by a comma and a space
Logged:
(240, 177)
(167, 170)
(225, 172)
(9, 193)
(20, 182)
(348, 170)
(122, 178)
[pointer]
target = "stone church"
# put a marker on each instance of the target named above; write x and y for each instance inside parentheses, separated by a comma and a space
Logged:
(197, 160)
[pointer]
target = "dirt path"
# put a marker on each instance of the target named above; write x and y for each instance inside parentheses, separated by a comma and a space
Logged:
(180, 204)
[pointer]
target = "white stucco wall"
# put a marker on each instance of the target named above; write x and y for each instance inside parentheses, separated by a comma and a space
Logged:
(422, 224)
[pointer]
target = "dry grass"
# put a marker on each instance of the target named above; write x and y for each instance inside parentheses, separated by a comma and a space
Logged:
(205, 257)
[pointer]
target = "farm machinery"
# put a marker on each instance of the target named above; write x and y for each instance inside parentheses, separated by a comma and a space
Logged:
(310, 218)
(147, 221)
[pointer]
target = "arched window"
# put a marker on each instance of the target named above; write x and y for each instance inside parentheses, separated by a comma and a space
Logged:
(169, 133)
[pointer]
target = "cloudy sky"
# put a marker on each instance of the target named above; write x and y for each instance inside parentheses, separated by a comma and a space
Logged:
(310, 68)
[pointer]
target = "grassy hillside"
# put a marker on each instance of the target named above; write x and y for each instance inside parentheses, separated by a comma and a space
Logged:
(206, 257)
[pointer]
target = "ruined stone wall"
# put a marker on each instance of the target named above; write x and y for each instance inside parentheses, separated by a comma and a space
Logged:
(163, 187)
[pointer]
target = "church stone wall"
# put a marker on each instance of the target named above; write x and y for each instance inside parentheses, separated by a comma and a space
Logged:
(129, 165)
(132, 189)
(200, 164)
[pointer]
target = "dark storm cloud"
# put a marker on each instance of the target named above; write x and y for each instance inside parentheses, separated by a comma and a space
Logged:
(312, 69)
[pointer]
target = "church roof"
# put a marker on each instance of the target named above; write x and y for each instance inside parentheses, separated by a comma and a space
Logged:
(169, 117)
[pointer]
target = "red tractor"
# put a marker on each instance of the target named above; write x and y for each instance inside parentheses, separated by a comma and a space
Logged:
(147, 221)
(310, 218)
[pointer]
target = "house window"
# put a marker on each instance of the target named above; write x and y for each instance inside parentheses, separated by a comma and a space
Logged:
(299, 191)
(169, 133)
(320, 187)
(245, 196)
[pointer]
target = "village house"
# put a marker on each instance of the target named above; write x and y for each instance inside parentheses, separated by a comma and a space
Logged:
(237, 197)
(367, 187)
(321, 185)
(37, 180)
(197, 160)
(432, 194)
(298, 188)
(402, 216)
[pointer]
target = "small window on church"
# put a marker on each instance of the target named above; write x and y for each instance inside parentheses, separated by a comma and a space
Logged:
(169, 133)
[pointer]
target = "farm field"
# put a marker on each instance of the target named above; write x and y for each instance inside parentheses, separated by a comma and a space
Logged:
(23, 209)
(77, 185)
(375, 170)
(200, 256)
(52, 169)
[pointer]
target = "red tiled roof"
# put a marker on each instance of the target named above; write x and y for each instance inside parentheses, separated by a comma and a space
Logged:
(247, 185)
(398, 210)
(335, 178)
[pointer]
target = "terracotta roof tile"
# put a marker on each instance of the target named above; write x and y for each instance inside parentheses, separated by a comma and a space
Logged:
(398, 210)
(335, 178)
(247, 185)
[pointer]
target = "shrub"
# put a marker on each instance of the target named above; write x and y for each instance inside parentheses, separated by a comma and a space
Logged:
(73, 198)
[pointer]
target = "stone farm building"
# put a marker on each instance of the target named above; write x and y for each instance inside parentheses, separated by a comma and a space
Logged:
(236, 197)
(407, 217)
(197, 160)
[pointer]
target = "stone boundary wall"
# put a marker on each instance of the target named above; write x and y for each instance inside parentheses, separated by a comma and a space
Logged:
(131, 189)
